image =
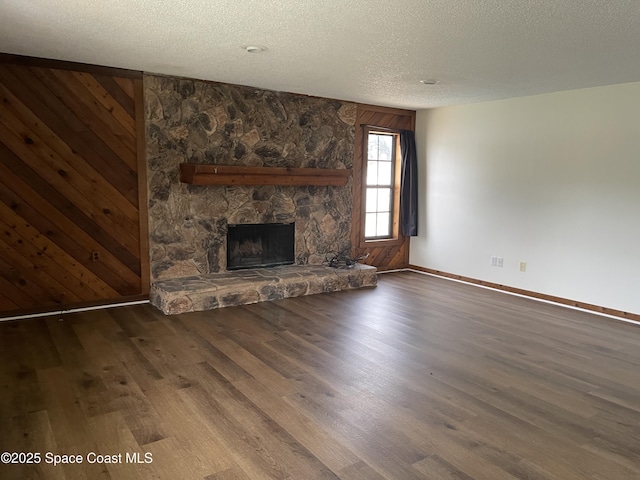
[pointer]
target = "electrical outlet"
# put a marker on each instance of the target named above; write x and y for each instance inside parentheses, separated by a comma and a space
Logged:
(494, 261)
(523, 266)
(500, 261)
(95, 256)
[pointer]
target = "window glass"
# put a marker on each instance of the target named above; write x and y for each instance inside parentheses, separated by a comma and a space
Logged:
(372, 200)
(382, 224)
(379, 185)
(384, 173)
(385, 147)
(384, 200)
(370, 225)
(372, 173)
(373, 148)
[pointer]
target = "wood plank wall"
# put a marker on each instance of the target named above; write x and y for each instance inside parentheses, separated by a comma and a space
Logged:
(383, 255)
(71, 210)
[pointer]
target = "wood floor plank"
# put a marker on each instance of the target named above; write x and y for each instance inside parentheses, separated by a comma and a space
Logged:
(246, 448)
(113, 437)
(196, 440)
(359, 471)
(420, 378)
(288, 453)
(235, 473)
(32, 433)
(123, 393)
(316, 439)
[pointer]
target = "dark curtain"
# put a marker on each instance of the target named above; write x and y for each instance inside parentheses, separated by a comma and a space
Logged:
(408, 184)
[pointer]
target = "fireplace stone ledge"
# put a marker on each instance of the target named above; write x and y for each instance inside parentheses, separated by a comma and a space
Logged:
(241, 287)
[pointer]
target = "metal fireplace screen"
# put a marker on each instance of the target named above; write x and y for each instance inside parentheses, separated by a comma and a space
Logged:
(260, 245)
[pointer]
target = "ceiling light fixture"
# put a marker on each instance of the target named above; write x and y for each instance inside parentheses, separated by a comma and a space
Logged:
(428, 82)
(255, 48)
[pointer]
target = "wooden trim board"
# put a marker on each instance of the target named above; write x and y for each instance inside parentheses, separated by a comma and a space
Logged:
(143, 205)
(80, 306)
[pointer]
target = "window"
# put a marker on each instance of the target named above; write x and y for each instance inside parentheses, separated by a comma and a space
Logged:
(381, 199)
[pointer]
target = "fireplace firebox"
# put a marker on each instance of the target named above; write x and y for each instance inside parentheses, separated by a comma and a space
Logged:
(260, 245)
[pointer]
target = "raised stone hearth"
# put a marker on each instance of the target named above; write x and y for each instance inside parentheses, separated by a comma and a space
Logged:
(215, 290)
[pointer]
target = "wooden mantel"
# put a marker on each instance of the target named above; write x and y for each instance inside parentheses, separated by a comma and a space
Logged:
(199, 174)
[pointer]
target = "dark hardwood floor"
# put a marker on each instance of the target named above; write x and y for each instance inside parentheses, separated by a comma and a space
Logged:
(418, 378)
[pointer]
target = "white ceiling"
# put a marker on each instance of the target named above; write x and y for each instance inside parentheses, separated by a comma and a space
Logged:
(369, 51)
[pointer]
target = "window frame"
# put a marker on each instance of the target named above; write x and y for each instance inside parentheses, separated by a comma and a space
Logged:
(396, 238)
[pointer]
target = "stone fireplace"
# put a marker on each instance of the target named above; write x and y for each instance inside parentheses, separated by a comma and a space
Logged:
(191, 121)
(192, 261)
(260, 245)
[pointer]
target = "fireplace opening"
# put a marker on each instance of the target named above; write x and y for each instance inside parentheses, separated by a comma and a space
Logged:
(260, 245)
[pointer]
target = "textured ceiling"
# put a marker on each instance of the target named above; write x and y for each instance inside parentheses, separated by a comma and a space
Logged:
(370, 51)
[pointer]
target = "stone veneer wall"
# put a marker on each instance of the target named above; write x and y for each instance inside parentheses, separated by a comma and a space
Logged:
(203, 122)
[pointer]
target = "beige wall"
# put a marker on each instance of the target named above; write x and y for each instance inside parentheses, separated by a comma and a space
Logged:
(552, 180)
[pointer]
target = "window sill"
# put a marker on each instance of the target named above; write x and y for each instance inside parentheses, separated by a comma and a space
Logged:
(385, 242)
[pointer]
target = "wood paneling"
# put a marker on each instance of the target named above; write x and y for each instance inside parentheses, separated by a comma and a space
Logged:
(385, 255)
(419, 378)
(70, 201)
